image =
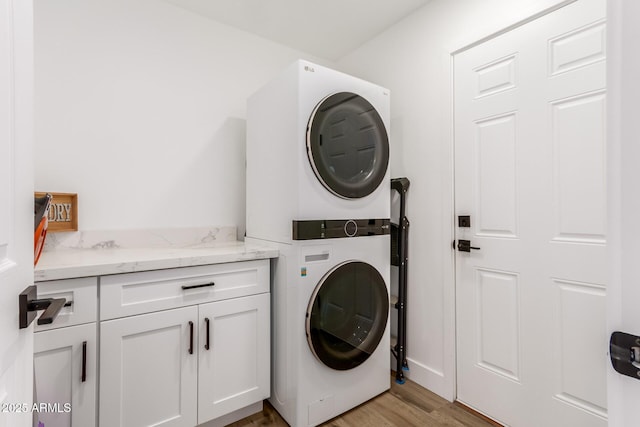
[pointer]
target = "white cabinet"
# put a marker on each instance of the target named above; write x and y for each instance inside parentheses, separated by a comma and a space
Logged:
(234, 370)
(65, 356)
(65, 375)
(168, 366)
(147, 375)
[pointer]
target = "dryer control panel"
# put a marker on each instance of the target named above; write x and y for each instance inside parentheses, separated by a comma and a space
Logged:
(337, 228)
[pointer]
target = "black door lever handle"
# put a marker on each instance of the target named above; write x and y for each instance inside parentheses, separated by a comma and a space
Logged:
(28, 306)
(624, 351)
(465, 246)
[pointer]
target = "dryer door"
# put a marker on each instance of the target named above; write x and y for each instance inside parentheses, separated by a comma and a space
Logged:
(347, 315)
(347, 145)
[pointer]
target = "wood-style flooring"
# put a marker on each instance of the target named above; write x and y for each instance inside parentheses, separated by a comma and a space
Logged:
(403, 405)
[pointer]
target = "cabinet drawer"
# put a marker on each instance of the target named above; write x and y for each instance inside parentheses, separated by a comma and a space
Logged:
(83, 295)
(144, 292)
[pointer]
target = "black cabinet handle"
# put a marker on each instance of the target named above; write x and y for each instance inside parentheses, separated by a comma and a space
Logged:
(84, 361)
(190, 337)
(206, 322)
(206, 285)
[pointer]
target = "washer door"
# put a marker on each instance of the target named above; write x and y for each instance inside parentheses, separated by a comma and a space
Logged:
(347, 145)
(347, 315)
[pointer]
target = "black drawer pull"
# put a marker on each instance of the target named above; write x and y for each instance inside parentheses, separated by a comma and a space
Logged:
(190, 337)
(206, 285)
(84, 361)
(206, 345)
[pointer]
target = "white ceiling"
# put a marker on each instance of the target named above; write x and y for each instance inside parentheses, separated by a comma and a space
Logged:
(325, 28)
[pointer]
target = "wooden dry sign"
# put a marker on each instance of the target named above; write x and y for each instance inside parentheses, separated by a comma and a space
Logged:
(63, 213)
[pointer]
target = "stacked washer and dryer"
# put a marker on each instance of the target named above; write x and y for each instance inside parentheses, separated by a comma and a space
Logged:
(318, 188)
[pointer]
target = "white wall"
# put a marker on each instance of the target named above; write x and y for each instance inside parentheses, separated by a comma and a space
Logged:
(413, 60)
(140, 109)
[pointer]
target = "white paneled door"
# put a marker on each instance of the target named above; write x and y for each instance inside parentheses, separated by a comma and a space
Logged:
(530, 174)
(16, 209)
(623, 110)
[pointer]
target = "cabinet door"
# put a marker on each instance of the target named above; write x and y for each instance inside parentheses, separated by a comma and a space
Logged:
(61, 356)
(234, 371)
(147, 375)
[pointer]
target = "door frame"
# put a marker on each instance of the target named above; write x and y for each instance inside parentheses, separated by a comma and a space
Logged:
(534, 11)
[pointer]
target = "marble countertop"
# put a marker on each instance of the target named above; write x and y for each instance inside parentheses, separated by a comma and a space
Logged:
(72, 263)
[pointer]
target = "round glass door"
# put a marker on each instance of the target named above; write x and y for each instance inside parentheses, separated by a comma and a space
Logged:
(347, 145)
(347, 315)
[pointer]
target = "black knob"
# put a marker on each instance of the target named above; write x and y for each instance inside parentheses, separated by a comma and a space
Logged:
(350, 228)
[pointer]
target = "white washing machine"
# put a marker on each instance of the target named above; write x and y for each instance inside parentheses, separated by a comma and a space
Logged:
(330, 326)
(318, 187)
(317, 149)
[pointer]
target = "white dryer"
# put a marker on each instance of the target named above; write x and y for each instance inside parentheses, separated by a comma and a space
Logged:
(330, 326)
(317, 148)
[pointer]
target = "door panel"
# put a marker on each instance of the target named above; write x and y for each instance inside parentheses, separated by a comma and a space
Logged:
(497, 314)
(530, 170)
(579, 48)
(496, 180)
(579, 320)
(496, 76)
(579, 180)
